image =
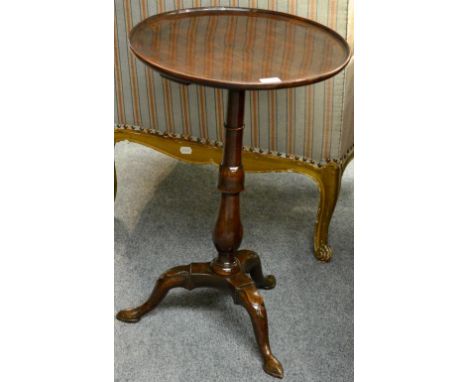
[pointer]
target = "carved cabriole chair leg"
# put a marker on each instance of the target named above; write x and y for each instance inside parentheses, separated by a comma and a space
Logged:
(115, 182)
(115, 173)
(329, 183)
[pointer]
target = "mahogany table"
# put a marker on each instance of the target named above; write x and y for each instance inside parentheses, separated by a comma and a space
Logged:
(237, 49)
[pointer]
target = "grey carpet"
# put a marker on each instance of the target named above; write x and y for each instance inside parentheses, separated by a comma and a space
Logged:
(164, 214)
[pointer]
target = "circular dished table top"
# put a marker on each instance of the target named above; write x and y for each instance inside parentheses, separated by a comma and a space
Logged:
(239, 48)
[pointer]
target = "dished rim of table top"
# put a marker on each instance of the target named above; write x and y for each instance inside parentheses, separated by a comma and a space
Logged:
(185, 78)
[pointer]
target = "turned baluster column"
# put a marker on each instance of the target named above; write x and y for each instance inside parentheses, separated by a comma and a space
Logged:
(227, 234)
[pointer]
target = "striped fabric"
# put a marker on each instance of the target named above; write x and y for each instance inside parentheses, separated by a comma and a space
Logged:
(315, 122)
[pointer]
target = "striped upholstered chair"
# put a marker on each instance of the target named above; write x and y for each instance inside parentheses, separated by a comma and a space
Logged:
(308, 130)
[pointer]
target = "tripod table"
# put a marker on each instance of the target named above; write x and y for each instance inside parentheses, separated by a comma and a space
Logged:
(238, 49)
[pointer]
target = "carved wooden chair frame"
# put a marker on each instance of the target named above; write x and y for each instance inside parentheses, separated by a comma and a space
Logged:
(327, 176)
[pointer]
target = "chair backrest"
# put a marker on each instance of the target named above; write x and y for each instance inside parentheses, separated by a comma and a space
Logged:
(314, 122)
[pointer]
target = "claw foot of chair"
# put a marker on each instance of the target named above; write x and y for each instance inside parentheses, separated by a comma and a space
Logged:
(323, 253)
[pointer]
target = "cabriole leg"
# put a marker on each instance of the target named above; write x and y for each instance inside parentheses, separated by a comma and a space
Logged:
(250, 262)
(252, 301)
(329, 182)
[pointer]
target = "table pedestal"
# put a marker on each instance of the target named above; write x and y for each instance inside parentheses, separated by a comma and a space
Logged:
(240, 271)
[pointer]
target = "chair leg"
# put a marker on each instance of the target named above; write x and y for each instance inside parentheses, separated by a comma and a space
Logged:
(329, 181)
(115, 182)
(115, 175)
